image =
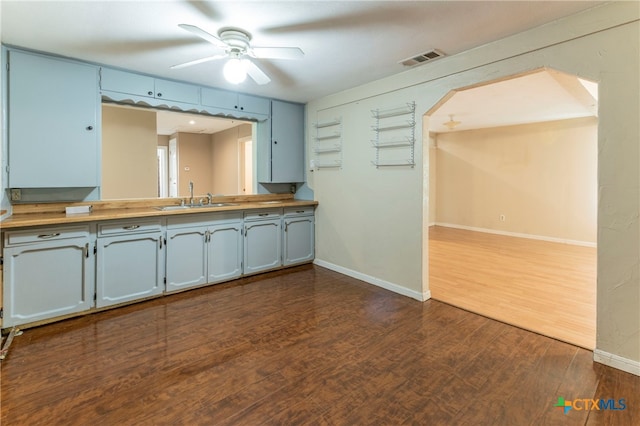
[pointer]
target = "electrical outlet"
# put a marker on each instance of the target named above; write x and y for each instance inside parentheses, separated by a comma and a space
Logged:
(502, 218)
(16, 194)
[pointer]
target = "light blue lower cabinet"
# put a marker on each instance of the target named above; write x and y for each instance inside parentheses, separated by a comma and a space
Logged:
(298, 236)
(186, 258)
(129, 262)
(58, 271)
(262, 241)
(48, 273)
(224, 252)
(203, 249)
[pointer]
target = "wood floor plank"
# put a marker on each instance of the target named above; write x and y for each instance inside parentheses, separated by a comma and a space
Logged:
(303, 347)
(546, 287)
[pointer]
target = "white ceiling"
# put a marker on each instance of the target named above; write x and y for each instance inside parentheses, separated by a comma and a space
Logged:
(170, 122)
(346, 43)
(544, 95)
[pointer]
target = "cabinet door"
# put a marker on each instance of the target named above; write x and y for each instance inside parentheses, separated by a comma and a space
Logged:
(53, 128)
(287, 142)
(298, 240)
(262, 246)
(47, 280)
(225, 252)
(254, 104)
(220, 99)
(179, 92)
(186, 258)
(127, 82)
(235, 104)
(129, 268)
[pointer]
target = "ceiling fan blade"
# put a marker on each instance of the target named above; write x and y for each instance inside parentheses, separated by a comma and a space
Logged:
(256, 73)
(203, 34)
(198, 61)
(278, 52)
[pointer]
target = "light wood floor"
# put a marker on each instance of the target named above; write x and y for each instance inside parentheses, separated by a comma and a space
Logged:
(305, 346)
(549, 288)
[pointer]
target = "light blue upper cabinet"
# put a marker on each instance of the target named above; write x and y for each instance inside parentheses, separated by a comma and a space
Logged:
(141, 85)
(126, 82)
(242, 105)
(53, 126)
(287, 142)
(179, 92)
(253, 104)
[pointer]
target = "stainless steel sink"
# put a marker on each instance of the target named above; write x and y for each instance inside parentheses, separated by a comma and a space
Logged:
(168, 208)
(195, 206)
(201, 206)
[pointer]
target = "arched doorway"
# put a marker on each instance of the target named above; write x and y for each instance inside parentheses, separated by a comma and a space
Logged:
(513, 201)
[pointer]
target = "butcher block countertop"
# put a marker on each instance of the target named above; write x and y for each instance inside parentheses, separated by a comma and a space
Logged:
(26, 215)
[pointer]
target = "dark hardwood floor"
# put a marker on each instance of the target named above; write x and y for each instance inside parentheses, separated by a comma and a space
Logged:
(303, 346)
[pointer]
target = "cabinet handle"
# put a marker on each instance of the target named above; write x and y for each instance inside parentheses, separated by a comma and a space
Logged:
(149, 93)
(131, 228)
(45, 236)
(241, 108)
(160, 241)
(299, 211)
(263, 214)
(89, 128)
(159, 95)
(235, 106)
(275, 142)
(86, 250)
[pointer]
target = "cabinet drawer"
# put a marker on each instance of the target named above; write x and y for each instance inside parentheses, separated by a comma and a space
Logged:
(298, 211)
(129, 227)
(203, 219)
(44, 234)
(262, 214)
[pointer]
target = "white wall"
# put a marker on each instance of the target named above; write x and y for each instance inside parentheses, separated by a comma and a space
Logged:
(4, 201)
(542, 177)
(370, 223)
(364, 211)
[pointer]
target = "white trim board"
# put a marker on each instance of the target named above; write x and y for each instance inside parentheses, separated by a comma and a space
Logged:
(375, 281)
(616, 361)
(517, 234)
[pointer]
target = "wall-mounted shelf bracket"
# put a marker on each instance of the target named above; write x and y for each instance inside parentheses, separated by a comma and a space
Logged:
(394, 136)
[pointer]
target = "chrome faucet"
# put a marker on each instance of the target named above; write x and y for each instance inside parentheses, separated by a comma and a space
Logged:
(191, 192)
(209, 197)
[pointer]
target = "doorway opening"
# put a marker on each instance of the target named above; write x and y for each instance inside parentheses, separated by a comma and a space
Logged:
(245, 166)
(173, 167)
(163, 171)
(513, 202)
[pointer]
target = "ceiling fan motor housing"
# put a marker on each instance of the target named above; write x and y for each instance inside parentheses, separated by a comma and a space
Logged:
(237, 40)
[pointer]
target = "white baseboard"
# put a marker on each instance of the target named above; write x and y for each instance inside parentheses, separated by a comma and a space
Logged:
(518, 235)
(616, 361)
(375, 281)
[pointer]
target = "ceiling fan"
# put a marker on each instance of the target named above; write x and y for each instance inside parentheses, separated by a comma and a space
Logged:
(237, 48)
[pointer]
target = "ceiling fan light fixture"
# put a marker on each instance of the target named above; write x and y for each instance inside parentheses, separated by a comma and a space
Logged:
(451, 124)
(235, 71)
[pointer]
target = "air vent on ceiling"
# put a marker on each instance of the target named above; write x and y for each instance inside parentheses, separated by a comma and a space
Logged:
(422, 58)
